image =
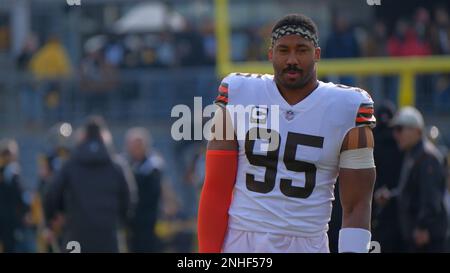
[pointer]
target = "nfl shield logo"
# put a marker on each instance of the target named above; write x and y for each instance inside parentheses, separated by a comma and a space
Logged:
(289, 115)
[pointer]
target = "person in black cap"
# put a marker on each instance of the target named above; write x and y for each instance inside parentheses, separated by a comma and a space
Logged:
(422, 184)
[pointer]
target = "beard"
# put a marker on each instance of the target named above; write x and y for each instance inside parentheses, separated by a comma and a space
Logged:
(304, 77)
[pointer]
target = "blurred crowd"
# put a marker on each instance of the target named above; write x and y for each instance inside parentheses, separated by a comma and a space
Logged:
(426, 33)
(105, 57)
(88, 193)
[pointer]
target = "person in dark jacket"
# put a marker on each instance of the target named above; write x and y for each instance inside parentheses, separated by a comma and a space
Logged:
(12, 206)
(388, 159)
(93, 193)
(422, 186)
(147, 167)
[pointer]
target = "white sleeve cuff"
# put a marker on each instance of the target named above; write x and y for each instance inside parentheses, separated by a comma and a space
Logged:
(356, 240)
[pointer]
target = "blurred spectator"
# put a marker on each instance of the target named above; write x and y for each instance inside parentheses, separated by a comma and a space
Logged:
(424, 83)
(375, 44)
(49, 163)
(190, 47)
(422, 26)
(30, 99)
(194, 175)
(342, 43)
(422, 185)
(440, 40)
(114, 51)
(256, 42)
(411, 41)
(5, 35)
(98, 77)
(442, 95)
(405, 41)
(59, 142)
(51, 65)
(209, 41)
(147, 53)
(92, 191)
(196, 169)
(17, 200)
(165, 51)
(240, 43)
(133, 47)
(147, 167)
(388, 160)
(13, 209)
(51, 61)
(440, 33)
(29, 49)
(27, 231)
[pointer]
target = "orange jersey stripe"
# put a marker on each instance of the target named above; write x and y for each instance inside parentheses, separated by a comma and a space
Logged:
(363, 119)
(365, 110)
(223, 89)
(222, 98)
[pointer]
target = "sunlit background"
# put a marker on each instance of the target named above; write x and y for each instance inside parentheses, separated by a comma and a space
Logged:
(131, 61)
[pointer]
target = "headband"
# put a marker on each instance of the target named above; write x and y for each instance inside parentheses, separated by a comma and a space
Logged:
(296, 30)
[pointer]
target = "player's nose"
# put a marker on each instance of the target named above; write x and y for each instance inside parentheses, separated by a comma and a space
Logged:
(292, 59)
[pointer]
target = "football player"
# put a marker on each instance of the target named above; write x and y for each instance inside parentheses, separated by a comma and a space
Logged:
(278, 197)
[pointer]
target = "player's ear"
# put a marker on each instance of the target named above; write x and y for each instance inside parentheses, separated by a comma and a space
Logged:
(317, 51)
(270, 53)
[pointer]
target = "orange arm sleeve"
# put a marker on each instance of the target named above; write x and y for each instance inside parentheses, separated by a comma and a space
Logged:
(215, 199)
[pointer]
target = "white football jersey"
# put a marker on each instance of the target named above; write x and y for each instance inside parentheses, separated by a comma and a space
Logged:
(288, 188)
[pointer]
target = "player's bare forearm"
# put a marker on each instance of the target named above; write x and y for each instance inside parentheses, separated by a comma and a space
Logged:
(356, 187)
(356, 184)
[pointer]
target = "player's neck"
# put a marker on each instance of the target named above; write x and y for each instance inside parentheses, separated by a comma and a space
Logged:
(294, 96)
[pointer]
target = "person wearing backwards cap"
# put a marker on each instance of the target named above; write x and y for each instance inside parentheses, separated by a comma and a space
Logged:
(421, 187)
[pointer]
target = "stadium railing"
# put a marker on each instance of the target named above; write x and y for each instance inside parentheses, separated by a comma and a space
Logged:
(138, 95)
